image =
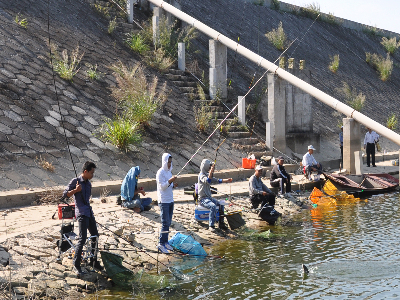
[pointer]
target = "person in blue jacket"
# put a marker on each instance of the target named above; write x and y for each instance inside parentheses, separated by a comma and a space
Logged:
(130, 192)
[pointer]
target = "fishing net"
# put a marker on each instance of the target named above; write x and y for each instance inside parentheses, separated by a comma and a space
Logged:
(187, 244)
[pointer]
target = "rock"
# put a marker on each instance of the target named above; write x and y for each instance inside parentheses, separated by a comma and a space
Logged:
(4, 257)
(37, 287)
(56, 266)
(20, 290)
(76, 282)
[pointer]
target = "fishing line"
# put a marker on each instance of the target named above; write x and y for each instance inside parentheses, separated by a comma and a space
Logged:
(55, 88)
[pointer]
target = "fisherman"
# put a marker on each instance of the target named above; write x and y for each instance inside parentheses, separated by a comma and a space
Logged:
(258, 191)
(81, 189)
(371, 138)
(165, 183)
(310, 164)
(279, 177)
(130, 192)
(341, 145)
(205, 178)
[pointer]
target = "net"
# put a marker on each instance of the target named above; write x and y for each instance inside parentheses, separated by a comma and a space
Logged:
(187, 245)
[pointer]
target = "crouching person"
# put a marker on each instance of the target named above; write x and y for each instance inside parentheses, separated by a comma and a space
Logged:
(205, 179)
(258, 191)
(130, 192)
(279, 177)
(81, 189)
(165, 184)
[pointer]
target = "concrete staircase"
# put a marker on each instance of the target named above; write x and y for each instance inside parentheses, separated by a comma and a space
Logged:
(241, 138)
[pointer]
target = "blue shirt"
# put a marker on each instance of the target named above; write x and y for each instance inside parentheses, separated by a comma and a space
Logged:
(81, 199)
(341, 138)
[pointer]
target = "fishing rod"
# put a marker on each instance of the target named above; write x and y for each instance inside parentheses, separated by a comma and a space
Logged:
(178, 274)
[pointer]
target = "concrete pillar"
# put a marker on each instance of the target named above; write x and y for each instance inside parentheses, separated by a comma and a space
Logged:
(156, 24)
(276, 110)
(129, 9)
(242, 110)
(269, 135)
(181, 57)
(218, 61)
(358, 161)
(351, 143)
(399, 162)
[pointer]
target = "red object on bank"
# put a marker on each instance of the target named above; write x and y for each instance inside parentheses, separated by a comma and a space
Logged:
(66, 211)
(248, 163)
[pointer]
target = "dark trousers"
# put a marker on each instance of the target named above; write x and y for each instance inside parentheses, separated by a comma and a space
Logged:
(85, 224)
(280, 182)
(319, 170)
(370, 152)
(257, 199)
(341, 155)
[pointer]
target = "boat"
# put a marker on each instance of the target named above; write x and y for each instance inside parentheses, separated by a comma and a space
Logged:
(365, 183)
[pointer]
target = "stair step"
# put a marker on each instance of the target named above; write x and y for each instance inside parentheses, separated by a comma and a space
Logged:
(250, 148)
(173, 77)
(258, 154)
(191, 96)
(246, 141)
(184, 83)
(185, 89)
(176, 72)
(238, 134)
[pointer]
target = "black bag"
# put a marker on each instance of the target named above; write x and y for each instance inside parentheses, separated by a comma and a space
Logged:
(269, 214)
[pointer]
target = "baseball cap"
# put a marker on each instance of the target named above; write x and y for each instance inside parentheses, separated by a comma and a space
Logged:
(259, 168)
(311, 147)
(281, 158)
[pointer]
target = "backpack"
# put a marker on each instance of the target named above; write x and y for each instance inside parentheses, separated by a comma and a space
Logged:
(269, 214)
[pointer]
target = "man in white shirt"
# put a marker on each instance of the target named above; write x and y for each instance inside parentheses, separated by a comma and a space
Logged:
(310, 164)
(371, 137)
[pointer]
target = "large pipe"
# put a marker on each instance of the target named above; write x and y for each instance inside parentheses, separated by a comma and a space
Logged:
(308, 88)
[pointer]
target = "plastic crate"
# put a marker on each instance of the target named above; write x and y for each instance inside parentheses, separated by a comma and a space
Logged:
(202, 214)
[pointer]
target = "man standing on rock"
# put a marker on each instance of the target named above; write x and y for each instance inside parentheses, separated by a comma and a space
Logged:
(81, 189)
(371, 137)
(165, 184)
(279, 177)
(205, 179)
(258, 191)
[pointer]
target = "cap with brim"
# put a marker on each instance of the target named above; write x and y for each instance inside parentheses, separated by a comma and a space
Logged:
(281, 158)
(311, 147)
(258, 168)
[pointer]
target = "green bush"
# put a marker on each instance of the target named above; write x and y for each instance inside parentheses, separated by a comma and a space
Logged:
(353, 99)
(277, 37)
(310, 11)
(137, 99)
(159, 60)
(334, 64)
(275, 4)
(203, 117)
(66, 65)
(258, 2)
(137, 43)
(112, 25)
(121, 132)
(21, 22)
(391, 122)
(390, 45)
(92, 72)
(384, 66)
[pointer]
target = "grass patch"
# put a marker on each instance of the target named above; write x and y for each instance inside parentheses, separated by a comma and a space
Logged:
(390, 45)
(92, 72)
(310, 11)
(21, 21)
(334, 64)
(137, 43)
(137, 98)
(275, 5)
(112, 25)
(392, 121)
(384, 66)
(277, 37)
(371, 30)
(353, 99)
(102, 10)
(66, 65)
(121, 132)
(159, 60)
(42, 162)
(258, 2)
(203, 117)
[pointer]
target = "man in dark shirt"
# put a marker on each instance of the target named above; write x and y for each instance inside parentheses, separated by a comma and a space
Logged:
(81, 189)
(258, 191)
(279, 177)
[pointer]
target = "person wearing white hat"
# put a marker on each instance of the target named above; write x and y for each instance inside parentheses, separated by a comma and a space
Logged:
(258, 191)
(310, 164)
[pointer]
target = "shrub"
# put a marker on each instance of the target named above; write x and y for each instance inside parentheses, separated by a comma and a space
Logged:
(384, 66)
(277, 37)
(112, 25)
(311, 11)
(121, 132)
(391, 122)
(92, 72)
(258, 2)
(159, 60)
(331, 19)
(136, 98)
(390, 45)
(21, 22)
(354, 100)
(370, 30)
(64, 65)
(137, 43)
(334, 65)
(275, 4)
(203, 117)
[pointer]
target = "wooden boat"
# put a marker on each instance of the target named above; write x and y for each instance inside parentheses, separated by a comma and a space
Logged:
(365, 183)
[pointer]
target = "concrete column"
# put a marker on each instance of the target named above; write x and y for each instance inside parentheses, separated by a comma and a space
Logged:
(181, 57)
(399, 162)
(218, 61)
(156, 24)
(242, 110)
(351, 143)
(276, 110)
(129, 8)
(358, 160)
(269, 135)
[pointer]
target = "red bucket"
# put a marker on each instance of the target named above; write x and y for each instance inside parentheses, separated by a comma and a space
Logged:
(248, 163)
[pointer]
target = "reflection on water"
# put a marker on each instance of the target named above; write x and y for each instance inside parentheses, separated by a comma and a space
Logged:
(351, 250)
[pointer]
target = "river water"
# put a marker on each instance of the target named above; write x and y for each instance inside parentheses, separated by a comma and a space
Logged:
(350, 249)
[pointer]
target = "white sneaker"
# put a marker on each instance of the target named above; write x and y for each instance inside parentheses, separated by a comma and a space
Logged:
(212, 229)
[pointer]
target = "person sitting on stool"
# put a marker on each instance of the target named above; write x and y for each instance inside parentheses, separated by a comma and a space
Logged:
(258, 191)
(279, 177)
(371, 137)
(310, 164)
